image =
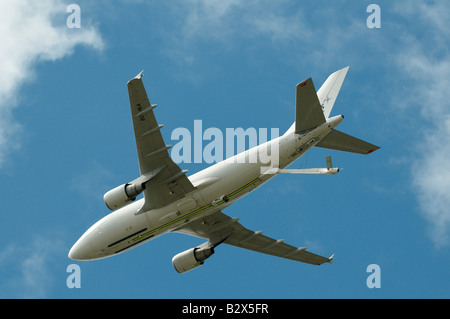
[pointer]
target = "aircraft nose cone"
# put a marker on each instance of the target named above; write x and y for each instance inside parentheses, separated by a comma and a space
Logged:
(81, 250)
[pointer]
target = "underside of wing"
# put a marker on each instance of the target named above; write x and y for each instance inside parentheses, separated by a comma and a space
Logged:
(169, 182)
(220, 228)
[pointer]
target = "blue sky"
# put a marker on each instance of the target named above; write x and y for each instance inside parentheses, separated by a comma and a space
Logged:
(66, 138)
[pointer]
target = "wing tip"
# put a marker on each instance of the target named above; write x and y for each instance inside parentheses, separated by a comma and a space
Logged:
(140, 75)
(137, 77)
(330, 260)
(373, 149)
(303, 83)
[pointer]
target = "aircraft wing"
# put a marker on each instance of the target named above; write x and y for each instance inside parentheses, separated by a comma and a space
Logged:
(168, 182)
(220, 228)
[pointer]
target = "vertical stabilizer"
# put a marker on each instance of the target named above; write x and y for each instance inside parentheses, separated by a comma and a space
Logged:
(329, 91)
(308, 113)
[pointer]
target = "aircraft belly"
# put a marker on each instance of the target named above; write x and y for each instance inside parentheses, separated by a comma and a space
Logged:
(235, 175)
(160, 221)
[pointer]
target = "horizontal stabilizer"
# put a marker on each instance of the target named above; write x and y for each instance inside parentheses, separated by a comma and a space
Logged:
(308, 112)
(336, 140)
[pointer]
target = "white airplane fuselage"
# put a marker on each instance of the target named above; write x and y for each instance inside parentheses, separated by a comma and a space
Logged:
(217, 187)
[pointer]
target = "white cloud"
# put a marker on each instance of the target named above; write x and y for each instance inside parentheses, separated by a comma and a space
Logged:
(205, 18)
(36, 277)
(427, 64)
(29, 268)
(432, 181)
(220, 19)
(32, 32)
(228, 23)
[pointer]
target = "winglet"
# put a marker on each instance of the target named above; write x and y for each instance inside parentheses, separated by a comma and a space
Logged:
(330, 260)
(137, 77)
(140, 75)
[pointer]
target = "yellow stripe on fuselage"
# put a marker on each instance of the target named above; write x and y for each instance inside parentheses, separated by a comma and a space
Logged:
(193, 212)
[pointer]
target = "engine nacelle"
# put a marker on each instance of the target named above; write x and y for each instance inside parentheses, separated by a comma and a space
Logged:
(191, 258)
(123, 195)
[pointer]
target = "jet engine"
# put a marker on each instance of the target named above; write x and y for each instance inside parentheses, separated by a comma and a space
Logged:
(123, 195)
(191, 258)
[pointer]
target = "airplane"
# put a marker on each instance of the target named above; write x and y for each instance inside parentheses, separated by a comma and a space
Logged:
(194, 205)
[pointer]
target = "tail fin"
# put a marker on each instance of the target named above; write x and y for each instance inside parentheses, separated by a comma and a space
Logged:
(329, 91)
(308, 113)
(336, 140)
(313, 108)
